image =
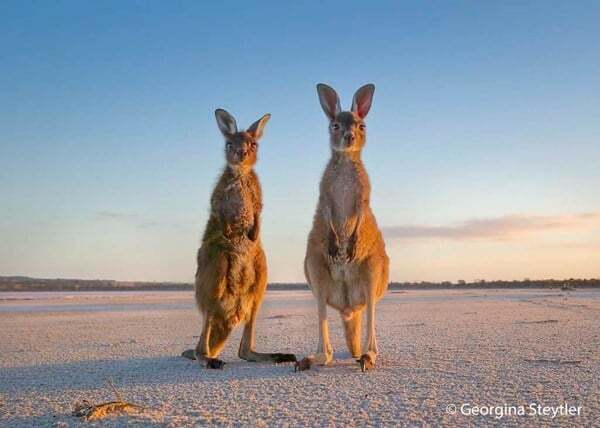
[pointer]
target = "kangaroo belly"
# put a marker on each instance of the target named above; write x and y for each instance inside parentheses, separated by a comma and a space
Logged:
(236, 301)
(225, 286)
(345, 293)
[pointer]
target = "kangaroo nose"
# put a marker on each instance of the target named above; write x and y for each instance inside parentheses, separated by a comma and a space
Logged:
(349, 136)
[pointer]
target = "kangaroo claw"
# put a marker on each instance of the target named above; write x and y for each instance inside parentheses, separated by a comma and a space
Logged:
(303, 364)
(214, 363)
(365, 362)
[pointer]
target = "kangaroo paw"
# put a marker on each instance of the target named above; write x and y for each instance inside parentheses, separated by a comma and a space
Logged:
(366, 362)
(283, 358)
(303, 364)
(214, 363)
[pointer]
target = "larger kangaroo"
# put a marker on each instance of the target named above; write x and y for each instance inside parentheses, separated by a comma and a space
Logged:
(346, 265)
(232, 269)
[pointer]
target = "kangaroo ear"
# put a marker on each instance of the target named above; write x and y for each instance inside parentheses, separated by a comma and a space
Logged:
(329, 100)
(226, 122)
(361, 103)
(256, 129)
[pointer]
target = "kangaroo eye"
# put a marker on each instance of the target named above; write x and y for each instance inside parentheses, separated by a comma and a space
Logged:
(253, 145)
(362, 126)
(228, 145)
(335, 126)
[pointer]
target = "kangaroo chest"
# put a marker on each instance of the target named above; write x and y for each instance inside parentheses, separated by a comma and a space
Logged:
(344, 201)
(237, 205)
(347, 189)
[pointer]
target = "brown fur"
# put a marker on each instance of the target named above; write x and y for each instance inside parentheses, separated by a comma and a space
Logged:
(346, 264)
(232, 270)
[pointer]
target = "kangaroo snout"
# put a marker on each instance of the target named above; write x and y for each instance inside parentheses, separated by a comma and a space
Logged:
(349, 137)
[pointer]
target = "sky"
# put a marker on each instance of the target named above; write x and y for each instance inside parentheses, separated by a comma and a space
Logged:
(483, 148)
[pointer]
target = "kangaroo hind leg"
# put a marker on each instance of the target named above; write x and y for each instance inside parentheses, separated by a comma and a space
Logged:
(324, 354)
(352, 325)
(212, 339)
(247, 348)
(367, 360)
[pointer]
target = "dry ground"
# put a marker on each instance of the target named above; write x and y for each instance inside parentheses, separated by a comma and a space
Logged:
(437, 348)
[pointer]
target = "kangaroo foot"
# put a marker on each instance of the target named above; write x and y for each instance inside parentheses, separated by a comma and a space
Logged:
(214, 363)
(366, 362)
(189, 354)
(283, 358)
(303, 364)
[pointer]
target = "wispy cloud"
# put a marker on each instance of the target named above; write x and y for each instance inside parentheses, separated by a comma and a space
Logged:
(504, 227)
(133, 219)
(114, 215)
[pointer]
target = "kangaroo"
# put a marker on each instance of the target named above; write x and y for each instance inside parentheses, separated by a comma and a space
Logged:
(232, 269)
(346, 265)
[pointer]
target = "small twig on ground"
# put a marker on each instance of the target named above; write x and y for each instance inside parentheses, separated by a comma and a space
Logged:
(112, 385)
(89, 411)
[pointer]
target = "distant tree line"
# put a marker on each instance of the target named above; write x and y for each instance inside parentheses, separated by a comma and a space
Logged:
(22, 283)
(571, 283)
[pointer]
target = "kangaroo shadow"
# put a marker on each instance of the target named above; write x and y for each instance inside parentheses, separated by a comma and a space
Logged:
(50, 387)
(132, 372)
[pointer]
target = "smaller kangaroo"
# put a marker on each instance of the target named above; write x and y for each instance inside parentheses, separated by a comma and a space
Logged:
(346, 265)
(231, 278)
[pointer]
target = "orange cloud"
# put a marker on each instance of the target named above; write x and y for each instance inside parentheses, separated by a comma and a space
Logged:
(504, 227)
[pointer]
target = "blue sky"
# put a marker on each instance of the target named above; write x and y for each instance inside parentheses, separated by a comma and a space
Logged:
(483, 146)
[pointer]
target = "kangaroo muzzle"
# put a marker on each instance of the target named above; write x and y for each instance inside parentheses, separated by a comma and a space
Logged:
(349, 138)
